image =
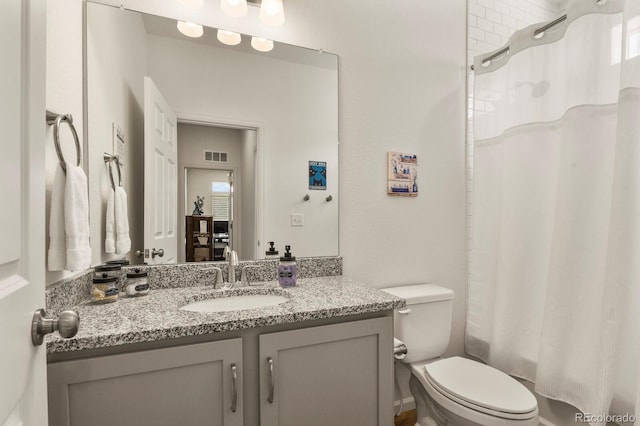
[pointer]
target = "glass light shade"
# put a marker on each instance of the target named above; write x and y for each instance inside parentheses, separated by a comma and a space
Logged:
(272, 12)
(191, 4)
(261, 44)
(229, 37)
(190, 29)
(234, 8)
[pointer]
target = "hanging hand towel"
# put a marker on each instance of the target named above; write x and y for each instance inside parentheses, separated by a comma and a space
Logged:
(110, 239)
(57, 254)
(123, 242)
(76, 219)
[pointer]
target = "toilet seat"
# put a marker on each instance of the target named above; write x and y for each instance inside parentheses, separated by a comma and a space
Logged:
(478, 387)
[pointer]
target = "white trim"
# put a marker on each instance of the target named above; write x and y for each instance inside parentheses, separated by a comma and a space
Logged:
(408, 403)
(11, 284)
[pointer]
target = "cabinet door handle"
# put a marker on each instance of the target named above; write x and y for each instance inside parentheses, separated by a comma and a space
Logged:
(234, 388)
(271, 382)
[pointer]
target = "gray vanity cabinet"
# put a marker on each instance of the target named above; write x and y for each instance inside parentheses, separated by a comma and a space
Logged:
(328, 375)
(187, 385)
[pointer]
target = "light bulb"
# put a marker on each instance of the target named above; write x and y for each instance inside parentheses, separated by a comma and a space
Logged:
(229, 37)
(234, 8)
(190, 29)
(191, 4)
(272, 12)
(261, 44)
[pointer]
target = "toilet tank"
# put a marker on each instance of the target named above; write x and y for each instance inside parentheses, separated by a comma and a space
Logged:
(424, 325)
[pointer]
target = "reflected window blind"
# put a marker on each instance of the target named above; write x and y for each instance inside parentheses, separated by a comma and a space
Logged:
(220, 207)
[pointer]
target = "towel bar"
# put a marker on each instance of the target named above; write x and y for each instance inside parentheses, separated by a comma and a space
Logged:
(54, 119)
(108, 158)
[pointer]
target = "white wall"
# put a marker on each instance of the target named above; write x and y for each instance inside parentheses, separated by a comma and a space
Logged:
(295, 106)
(118, 98)
(63, 88)
(247, 214)
(116, 64)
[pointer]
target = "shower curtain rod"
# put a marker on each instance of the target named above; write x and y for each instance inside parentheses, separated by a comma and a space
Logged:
(536, 33)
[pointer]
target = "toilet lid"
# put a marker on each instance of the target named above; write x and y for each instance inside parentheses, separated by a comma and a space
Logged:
(481, 385)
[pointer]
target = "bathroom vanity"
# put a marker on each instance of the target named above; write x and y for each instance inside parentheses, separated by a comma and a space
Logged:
(323, 356)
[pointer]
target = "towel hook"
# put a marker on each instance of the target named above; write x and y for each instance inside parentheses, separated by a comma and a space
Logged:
(108, 158)
(55, 120)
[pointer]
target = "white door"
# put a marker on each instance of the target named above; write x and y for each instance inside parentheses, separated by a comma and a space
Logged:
(160, 178)
(23, 399)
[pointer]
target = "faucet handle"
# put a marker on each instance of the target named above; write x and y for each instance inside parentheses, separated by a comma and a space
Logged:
(218, 279)
(244, 276)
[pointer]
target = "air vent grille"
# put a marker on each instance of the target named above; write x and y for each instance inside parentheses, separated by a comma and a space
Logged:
(216, 157)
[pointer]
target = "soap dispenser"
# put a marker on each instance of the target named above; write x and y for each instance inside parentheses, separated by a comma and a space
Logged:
(272, 252)
(287, 269)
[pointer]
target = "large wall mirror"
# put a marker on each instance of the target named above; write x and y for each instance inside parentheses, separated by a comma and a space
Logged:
(243, 133)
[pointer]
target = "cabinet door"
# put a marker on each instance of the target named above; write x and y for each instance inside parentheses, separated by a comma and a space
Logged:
(330, 375)
(189, 385)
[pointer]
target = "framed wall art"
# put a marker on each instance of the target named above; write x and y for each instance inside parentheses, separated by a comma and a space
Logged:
(402, 174)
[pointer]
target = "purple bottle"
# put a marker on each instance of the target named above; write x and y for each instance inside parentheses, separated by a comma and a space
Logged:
(287, 269)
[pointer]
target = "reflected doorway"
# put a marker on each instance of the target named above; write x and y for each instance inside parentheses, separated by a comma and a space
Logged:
(217, 189)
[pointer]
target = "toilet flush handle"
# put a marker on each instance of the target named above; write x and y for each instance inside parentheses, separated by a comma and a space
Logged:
(405, 311)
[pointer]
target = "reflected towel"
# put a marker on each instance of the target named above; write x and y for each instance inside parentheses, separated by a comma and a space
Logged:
(57, 253)
(76, 219)
(110, 238)
(123, 241)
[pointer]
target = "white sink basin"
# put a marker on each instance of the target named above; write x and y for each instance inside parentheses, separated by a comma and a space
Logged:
(235, 303)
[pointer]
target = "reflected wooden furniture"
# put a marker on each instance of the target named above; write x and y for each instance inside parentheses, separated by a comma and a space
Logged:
(198, 244)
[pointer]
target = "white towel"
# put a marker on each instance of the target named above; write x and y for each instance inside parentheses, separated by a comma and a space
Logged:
(123, 242)
(110, 238)
(57, 254)
(76, 219)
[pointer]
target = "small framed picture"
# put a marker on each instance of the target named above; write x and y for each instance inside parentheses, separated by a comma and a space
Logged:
(318, 175)
(402, 174)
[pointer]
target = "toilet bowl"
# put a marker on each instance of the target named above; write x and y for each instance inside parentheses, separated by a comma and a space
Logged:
(462, 392)
(453, 391)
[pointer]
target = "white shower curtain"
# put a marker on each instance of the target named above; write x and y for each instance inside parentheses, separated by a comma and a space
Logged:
(554, 278)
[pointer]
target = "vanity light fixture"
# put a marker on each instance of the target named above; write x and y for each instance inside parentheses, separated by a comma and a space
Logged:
(229, 37)
(272, 12)
(190, 29)
(191, 4)
(261, 44)
(234, 8)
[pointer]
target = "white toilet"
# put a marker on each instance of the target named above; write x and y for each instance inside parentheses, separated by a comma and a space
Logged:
(453, 391)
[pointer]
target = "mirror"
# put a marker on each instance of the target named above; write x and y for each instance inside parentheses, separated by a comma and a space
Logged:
(268, 120)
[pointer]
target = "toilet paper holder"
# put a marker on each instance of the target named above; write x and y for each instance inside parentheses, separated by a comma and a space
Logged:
(399, 349)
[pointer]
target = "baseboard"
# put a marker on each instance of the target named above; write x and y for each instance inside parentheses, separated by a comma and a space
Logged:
(407, 404)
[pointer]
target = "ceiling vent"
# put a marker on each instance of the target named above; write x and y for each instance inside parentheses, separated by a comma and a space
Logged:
(216, 157)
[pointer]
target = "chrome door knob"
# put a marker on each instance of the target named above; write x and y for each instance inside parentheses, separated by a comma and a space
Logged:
(67, 325)
(158, 253)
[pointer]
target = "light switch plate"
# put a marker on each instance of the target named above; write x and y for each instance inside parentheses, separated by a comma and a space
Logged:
(297, 219)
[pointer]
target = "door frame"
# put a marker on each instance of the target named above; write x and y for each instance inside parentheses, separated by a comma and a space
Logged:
(240, 124)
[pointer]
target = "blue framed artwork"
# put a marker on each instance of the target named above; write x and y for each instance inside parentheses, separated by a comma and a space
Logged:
(402, 174)
(318, 175)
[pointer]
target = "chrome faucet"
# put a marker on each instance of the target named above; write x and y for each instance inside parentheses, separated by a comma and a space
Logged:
(232, 258)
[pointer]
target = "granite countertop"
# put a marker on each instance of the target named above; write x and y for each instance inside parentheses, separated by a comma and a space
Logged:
(156, 316)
